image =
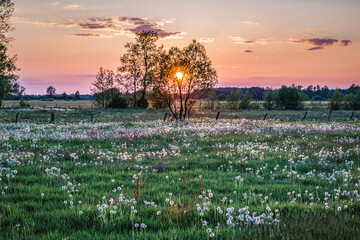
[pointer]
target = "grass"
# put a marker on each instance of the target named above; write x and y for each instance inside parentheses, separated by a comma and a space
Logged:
(130, 175)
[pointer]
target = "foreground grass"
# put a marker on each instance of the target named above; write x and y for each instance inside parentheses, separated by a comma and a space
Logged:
(130, 178)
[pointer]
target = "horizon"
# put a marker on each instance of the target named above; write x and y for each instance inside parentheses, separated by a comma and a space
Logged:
(250, 43)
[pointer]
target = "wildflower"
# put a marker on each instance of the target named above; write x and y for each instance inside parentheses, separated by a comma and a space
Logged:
(80, 212)
(212, 235)
(208, 230)
(158, 213)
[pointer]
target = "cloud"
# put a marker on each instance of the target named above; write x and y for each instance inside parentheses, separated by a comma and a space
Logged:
(240, 40)
(248, 51)
(262, 41)
(345, 42)
(315, 48)
(125, 25)
(73, 7)
(317, 41)
(250, 23)
(206, 40)
(321, 43)
(89, 35)
(115, 25)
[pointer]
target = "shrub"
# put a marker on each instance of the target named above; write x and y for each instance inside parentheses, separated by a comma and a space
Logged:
(23, 103)
(118, 101)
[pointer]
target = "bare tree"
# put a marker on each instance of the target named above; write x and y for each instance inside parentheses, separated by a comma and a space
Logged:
(182, 74)
(103, 84)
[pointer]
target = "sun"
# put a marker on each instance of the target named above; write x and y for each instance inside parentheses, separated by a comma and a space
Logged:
(179, 75)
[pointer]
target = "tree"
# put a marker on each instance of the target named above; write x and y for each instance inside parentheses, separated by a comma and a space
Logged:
(130, 71)
(269, 99)
(8, 69)
(182, 75)
(335, 100)
(64, 96)
(77, 95)
(138, 65)
(51, 91)
(103, 83)
(288, 98)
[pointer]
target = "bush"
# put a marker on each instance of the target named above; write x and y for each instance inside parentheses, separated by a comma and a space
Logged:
(288, 98)
(118, 101)
(23, 103)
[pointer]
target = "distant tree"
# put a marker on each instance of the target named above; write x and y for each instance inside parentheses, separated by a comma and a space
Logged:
(269, 102)
(51, 91)
(77, 95)
(8, 69)
(64, 96)
(138, 65)
(238, 100)
(335, 100)
(288, 98)
(103, 83)
(182, 75)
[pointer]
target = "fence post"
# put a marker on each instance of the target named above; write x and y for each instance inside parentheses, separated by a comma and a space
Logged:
(92, 118)
(304, 116)
(52, 118)
(217, 116)
(165, 117)
(17, 117)
(265, 116)
(352, 114)
(329, 114)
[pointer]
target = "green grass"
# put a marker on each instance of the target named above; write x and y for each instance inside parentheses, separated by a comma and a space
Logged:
(134, 162)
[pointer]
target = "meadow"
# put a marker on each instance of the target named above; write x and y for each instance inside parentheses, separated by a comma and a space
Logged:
(131, 175)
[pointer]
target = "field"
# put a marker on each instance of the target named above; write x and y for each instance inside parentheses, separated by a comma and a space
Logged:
(131, 175)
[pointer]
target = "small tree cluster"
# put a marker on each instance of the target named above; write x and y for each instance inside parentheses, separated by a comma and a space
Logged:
(237, 99)
(350, 101)
(284, 98)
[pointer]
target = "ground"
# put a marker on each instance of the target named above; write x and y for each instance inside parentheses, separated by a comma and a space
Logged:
(130, 175)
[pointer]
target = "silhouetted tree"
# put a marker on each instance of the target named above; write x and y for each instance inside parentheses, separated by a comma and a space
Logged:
(182, 75)
(77, 95)
(51, 91)
(138, 65)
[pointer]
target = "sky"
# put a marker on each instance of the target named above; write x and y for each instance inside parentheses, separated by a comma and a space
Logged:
(250, 42)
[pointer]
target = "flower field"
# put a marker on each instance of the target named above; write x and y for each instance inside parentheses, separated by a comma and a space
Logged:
(135, 176)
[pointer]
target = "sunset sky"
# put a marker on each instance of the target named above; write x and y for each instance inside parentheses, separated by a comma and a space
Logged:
(251, 43)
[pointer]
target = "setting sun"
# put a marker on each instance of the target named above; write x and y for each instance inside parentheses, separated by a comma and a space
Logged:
(179, 75)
